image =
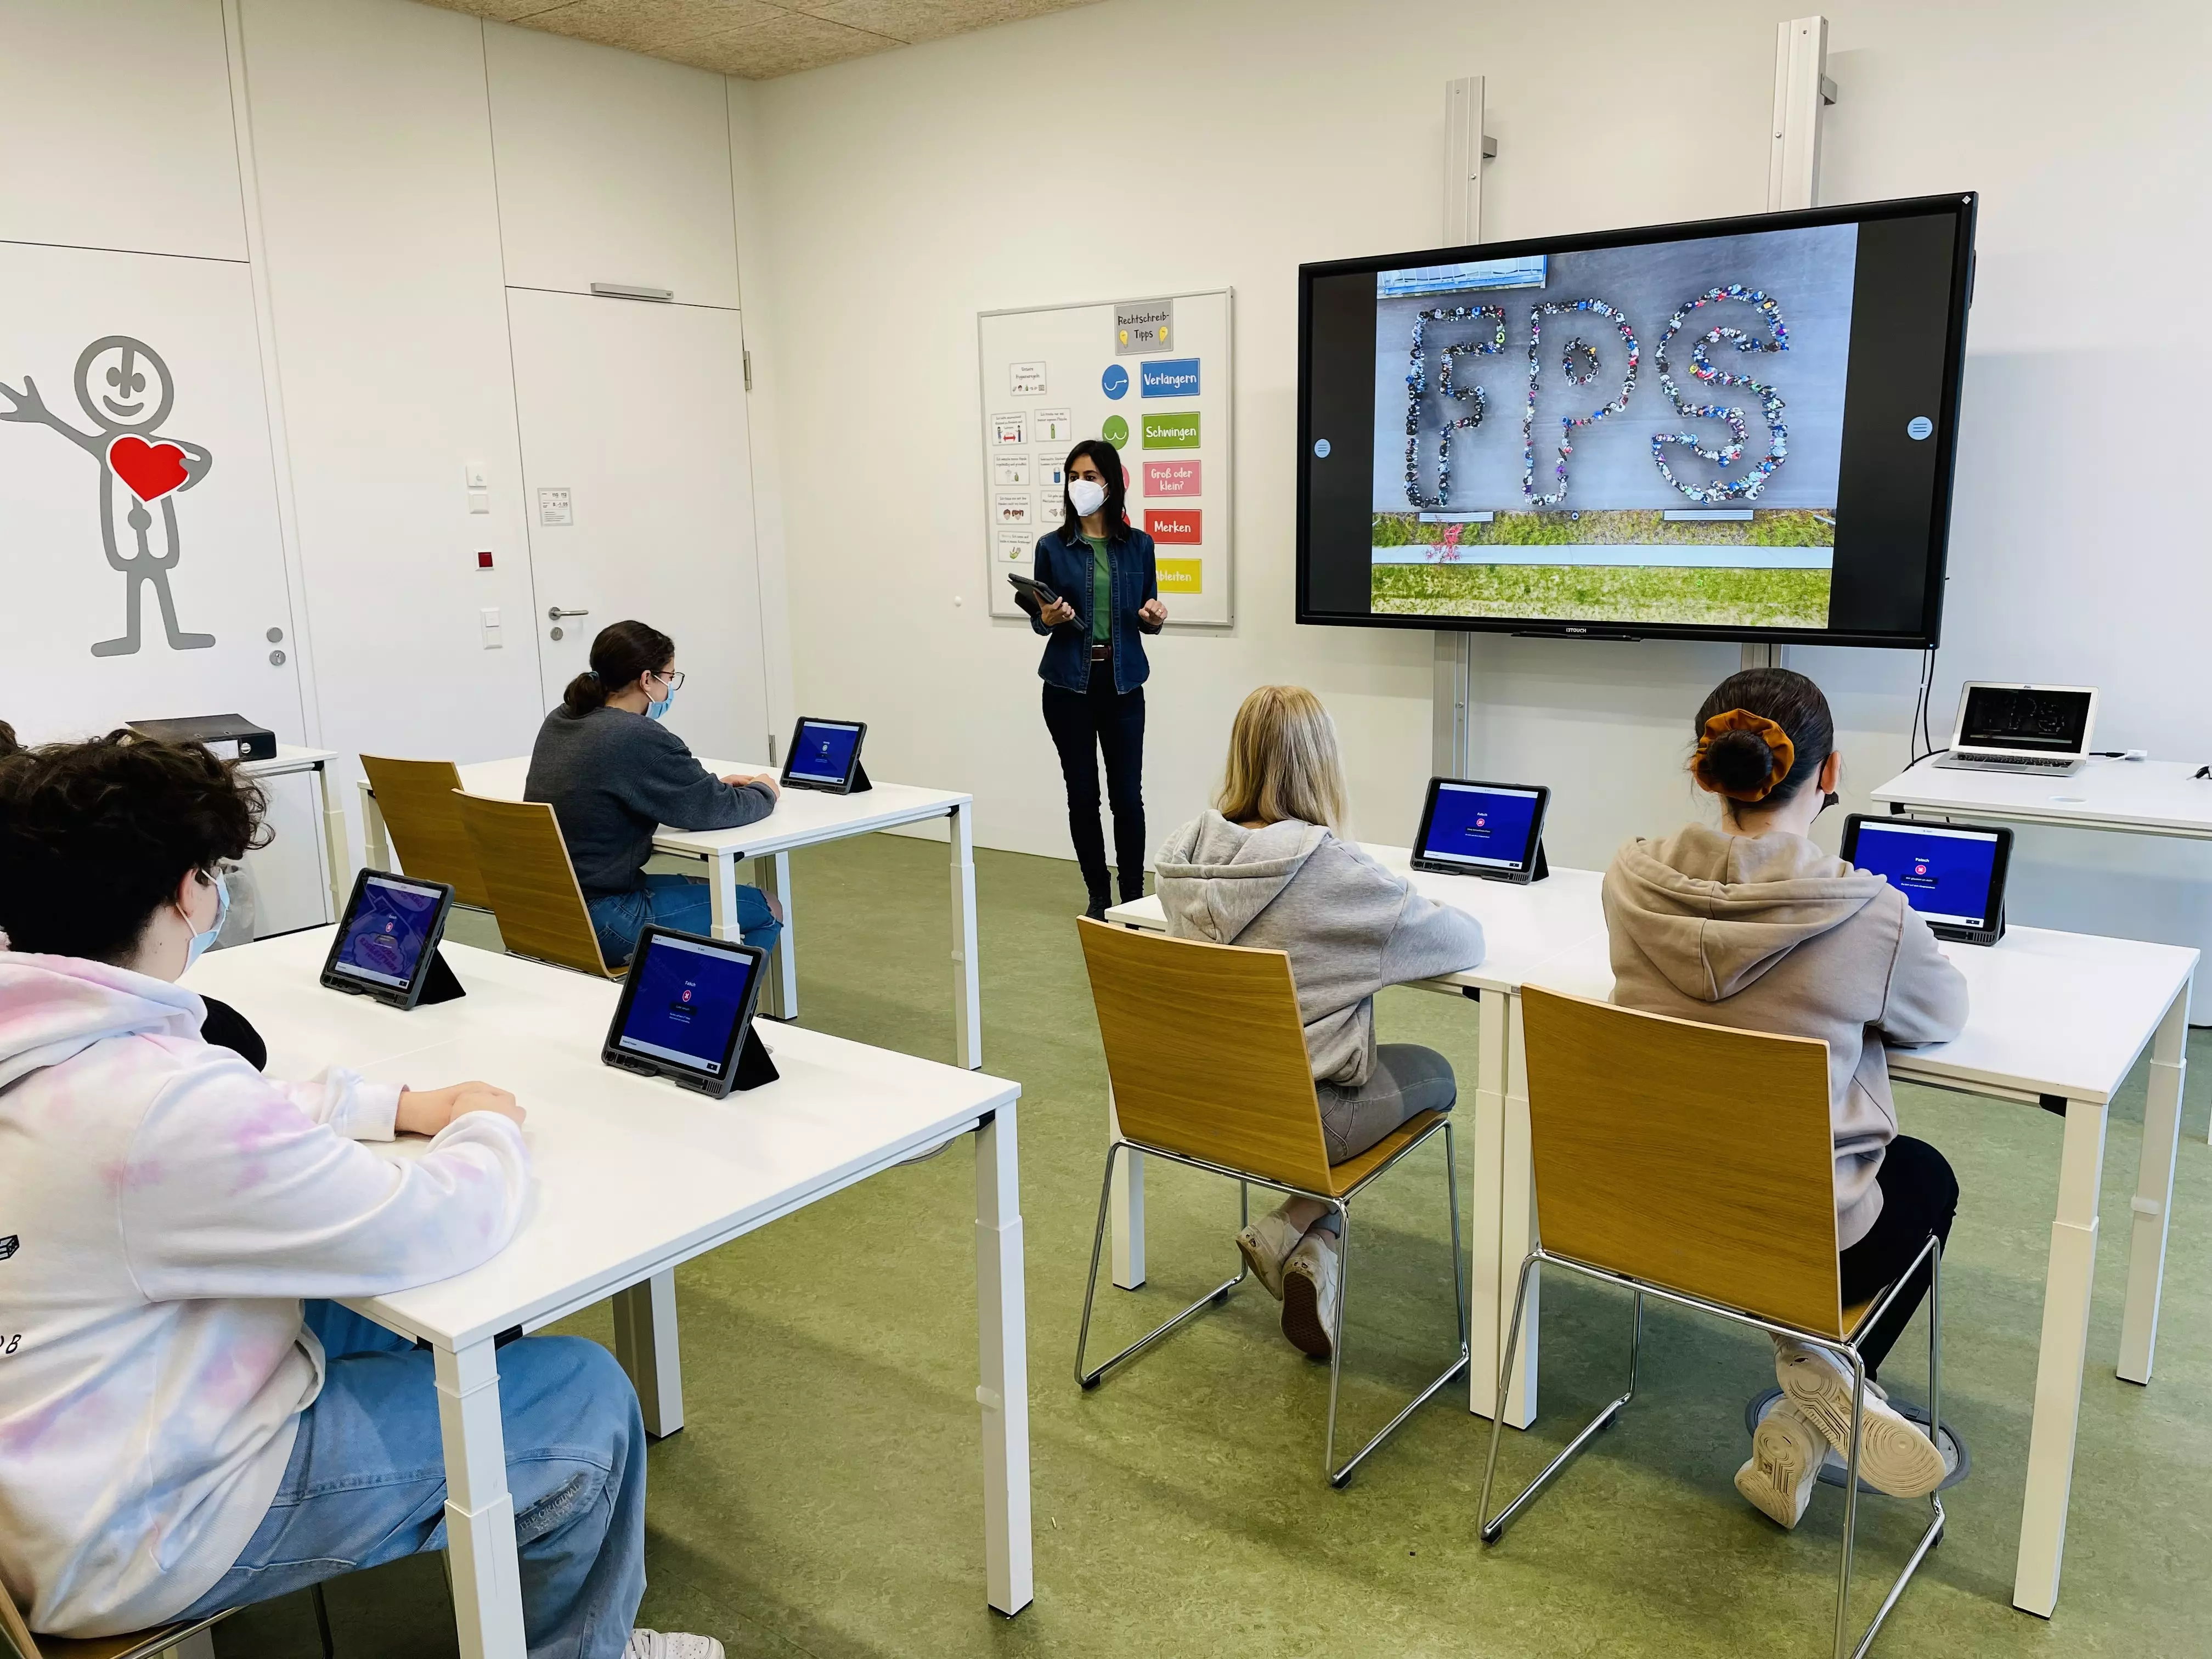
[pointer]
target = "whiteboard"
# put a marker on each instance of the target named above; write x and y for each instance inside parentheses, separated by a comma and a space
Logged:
(1153, 376)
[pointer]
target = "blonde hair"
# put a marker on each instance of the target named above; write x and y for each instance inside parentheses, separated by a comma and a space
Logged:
(1283, 762)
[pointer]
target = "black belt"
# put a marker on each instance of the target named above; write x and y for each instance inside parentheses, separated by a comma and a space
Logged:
(1102, 653)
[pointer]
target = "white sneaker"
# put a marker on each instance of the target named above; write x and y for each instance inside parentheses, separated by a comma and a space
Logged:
(653, 1644)
(1311, 1277)
(1266, 1244)
(1786, 1454)
(1894, 1456)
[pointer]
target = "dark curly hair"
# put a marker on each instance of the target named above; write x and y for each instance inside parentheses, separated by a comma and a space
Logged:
(94, 837)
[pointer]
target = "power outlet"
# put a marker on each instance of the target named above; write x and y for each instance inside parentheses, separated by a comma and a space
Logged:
(553, 507)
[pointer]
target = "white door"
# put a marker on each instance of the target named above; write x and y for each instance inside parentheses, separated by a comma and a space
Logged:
(638, 485)
(139, 552)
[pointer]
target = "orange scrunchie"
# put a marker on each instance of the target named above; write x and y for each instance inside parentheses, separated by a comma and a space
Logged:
(1742, 719)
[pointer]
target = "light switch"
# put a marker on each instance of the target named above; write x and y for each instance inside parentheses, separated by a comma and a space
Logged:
(473, 472)
(479, 501)
(487, 629)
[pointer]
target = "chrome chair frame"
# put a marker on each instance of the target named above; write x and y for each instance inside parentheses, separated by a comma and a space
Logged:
(1494, 1526)
(1342, 1206)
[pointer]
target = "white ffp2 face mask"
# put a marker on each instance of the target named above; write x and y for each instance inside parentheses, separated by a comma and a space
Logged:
(1085, 497)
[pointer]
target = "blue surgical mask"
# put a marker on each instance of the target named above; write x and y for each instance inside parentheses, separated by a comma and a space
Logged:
(653, 711)
(204, 942)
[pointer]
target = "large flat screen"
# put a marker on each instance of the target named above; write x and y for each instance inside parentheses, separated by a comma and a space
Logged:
(1741, 428)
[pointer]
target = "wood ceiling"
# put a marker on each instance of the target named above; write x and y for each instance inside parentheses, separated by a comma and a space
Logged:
(757, 40)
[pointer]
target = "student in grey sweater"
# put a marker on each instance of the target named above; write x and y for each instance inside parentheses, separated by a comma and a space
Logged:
(1266, 869)
(613, 774)
(1753, 926)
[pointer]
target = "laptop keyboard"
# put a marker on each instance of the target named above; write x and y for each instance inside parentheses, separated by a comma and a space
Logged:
(2011, 763)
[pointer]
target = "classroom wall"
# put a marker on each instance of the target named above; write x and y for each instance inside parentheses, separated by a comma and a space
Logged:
(379, 174)
(1146, 146)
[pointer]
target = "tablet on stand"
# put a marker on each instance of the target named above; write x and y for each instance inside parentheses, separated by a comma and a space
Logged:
(1493, 830)
(825, 754)
(1953, 874)
(386, 947)
(686, 1013)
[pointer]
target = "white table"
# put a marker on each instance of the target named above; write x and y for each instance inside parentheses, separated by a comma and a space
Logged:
(803, 817)
(2057, 1020)
(634, 1176)
(337, 862)
(2141, 798)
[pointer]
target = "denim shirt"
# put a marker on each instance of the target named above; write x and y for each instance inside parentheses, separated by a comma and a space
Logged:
(1063, 564)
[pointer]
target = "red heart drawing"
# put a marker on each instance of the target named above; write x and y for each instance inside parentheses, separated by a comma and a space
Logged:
(152, 471)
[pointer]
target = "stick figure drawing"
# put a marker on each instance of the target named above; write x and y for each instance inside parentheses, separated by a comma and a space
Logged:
(149, 469)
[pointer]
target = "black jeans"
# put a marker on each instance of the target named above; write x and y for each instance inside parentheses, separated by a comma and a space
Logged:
(1085, 724)
(1919, 1196)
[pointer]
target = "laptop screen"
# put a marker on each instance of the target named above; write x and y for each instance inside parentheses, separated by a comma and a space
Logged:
(1481, 826)
(688, 1000)
(1944, 873)
(823, 752)
(2041, 721)
(387, 933)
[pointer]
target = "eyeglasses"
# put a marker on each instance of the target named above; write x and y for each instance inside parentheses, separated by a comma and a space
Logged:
(673, 679)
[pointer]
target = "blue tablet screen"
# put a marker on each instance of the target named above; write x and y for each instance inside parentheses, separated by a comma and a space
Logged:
(823, 752)
(387, 933)
(687, 1003)
(1944, 874)
(1481, 827)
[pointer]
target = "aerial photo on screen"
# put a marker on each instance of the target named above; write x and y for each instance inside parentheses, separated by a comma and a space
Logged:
(1630, 435)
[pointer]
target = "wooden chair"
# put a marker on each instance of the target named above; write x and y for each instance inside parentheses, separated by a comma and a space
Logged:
(534, 894)
(427, 837)
(1696, 1163)
(1208, 1062)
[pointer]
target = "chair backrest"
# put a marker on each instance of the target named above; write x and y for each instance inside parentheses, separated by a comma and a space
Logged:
(1695, 1157)
(416, 800)
(534, 895)
(1206, 1053)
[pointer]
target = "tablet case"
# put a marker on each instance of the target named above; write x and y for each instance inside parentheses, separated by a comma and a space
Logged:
(1540, 867)
(440, 983)
(859, 784)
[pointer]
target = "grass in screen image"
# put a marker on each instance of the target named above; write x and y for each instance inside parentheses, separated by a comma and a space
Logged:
(1609, 527)
(1697, 596)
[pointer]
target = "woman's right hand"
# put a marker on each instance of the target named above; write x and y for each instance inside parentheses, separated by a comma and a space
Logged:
(1059, 611)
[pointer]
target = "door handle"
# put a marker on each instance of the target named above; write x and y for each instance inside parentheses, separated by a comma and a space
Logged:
(555, 613)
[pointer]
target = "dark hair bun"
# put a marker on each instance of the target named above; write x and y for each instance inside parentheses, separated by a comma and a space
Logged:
(622, 652)
(1737, 763)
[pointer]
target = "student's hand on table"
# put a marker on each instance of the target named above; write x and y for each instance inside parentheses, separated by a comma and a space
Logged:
(1152, 611)
(766, 780)
(1059, 611)
(426, 1111)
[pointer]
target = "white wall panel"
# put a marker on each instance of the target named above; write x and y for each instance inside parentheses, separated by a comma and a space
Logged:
(612, 168)
(118, 127)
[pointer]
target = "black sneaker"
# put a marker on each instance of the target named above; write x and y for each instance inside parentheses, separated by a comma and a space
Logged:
(1096, 908)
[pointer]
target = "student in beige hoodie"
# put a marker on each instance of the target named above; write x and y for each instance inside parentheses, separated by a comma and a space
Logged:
(1266, 869)
(1751, 925)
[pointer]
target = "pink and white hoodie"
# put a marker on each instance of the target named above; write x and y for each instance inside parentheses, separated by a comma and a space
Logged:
(163, 1209)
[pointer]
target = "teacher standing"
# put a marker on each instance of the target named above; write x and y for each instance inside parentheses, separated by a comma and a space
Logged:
(1094, 670)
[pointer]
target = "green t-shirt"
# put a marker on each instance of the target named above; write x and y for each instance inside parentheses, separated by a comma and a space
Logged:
(1102, 592)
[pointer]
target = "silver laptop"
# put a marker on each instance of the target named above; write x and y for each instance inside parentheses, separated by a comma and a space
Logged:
(2042, 730)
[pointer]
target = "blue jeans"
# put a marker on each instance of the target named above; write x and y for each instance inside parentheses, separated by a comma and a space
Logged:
(678, 901)
(367, 1482)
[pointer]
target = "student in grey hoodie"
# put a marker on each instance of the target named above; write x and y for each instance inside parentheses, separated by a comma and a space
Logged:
(1266, 869)
(1751, 925)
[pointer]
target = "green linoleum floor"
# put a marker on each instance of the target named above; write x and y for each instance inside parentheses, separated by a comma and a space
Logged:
(825, 1496)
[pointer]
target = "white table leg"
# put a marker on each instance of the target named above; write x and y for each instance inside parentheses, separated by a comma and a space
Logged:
(1517, 1223)
(2066, 1287)
(2153, 1200)
(1001, 1333)
(334, 844)
(1489, 1280)
(375, 842)
(479, 1513)
(1125, 1206)
(646, 1344)
(967, 958)
(779, 996)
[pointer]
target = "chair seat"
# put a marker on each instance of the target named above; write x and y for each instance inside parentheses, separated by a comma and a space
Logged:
(1344, 1177)
(1854, 1318)
(139, 1644)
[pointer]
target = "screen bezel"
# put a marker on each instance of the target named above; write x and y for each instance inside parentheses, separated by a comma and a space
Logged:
(1520, 876)
(2000, 868)
(1961, 746)
(844, 785)
(1962, 203)
(338, 979)
(718, 1085)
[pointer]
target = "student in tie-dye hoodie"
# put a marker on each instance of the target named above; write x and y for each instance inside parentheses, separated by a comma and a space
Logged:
(174, 1438)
